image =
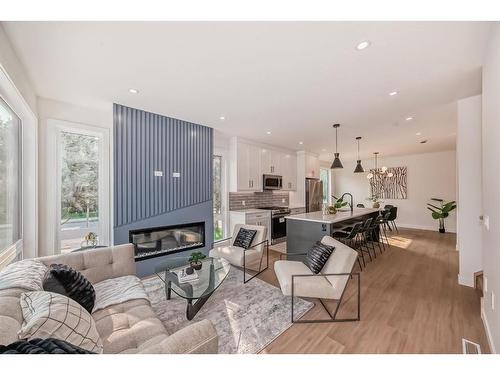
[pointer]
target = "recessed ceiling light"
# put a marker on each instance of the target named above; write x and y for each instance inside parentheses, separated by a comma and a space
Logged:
(268, 132)
(392, 93)
(409, 118)
(301, 143)
(133, 91)
(323, 150)
(222, 118)
(364, 44)
(418, 133)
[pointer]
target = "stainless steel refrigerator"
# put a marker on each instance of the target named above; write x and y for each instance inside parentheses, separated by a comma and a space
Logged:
(314, 195)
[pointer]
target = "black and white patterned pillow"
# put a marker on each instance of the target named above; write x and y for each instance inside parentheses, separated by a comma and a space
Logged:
(47, 314)
(42, 346)
(244, 238)
(317, 256)
(64, 280)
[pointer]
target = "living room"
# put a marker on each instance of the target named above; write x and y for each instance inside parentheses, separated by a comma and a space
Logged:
(263, 187)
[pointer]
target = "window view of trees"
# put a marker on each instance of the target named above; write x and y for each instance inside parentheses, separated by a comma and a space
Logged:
(79, 187)
(217, 198)
(79, 183)
(10, 177)
(324, 175)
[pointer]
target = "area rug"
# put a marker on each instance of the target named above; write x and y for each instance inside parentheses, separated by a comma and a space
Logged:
(247, 317)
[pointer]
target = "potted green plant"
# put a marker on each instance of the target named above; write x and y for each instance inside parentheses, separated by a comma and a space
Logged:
(195, 260)
(442, 212)
(375, 201)
(339, 203)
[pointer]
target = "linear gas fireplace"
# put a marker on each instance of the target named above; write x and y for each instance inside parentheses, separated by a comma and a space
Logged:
(154, 242)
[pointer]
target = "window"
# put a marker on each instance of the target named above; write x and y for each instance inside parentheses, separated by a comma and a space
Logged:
(324, 175)
(79, 200)
(79, 189)
(10, 177)
(218, 212)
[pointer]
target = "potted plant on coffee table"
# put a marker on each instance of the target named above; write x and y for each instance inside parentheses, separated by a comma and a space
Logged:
(195, 260)
(442, 212)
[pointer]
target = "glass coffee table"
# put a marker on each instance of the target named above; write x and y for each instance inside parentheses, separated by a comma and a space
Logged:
(213, 272)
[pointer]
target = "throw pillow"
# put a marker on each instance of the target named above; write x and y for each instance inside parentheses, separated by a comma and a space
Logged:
(26, 274)
(317, 257)
(48, 314)
(42, 346)
(244, 238)
(63, 279)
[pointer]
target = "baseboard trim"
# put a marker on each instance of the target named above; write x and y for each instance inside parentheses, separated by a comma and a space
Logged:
(487, 328)
(422, 227)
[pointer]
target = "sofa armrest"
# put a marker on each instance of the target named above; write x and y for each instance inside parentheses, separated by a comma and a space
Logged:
(197, 338)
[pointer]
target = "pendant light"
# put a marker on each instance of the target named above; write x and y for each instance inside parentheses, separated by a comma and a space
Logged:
(337, 164)
(359, 167)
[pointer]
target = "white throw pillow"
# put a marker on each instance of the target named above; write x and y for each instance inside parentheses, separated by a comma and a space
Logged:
(48, 314)
(26, 274)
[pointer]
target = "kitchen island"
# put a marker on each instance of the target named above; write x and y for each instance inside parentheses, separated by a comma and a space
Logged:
(303, 230)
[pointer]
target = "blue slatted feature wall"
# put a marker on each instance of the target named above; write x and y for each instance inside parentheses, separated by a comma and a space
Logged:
(145, 142)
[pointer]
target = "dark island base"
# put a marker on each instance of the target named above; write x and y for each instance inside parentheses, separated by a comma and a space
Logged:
(303, 234)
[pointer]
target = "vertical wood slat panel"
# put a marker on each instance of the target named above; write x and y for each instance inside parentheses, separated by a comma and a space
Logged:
(145, 142)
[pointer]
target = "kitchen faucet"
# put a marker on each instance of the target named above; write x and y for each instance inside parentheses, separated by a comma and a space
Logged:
(351, 204)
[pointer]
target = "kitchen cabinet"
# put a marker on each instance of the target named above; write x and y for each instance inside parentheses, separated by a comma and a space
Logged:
(249, 161)
(289, 171)
(245, 167)
(251, 217)
(312, 166)
(271, 161)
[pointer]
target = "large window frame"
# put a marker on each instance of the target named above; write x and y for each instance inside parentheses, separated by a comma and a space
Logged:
(224, 214)
(55, 128)
(27, 246)
(328, 192)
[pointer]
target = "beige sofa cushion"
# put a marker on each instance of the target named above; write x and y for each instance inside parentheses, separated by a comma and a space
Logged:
(48, 314)
(129, 327)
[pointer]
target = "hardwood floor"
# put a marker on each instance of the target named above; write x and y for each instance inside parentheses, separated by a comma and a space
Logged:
(410, 303)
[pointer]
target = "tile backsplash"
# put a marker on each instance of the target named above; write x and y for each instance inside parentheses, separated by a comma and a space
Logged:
(258, 199)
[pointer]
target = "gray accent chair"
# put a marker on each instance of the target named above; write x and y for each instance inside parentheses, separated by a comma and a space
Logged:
(297, 280)
(244, 258)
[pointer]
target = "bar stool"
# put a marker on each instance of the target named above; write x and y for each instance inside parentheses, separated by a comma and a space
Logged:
(382, 222)
(364, 233)
(350, 238)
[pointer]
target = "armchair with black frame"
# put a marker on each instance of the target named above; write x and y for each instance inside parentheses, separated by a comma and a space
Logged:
(297, 280)
(241, 257)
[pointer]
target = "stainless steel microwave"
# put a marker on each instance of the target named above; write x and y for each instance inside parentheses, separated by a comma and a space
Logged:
(272, 182)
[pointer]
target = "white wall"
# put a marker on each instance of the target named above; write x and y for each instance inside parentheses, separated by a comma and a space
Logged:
(431, 175)
(469, 225)
(51, 109)
(491, 184)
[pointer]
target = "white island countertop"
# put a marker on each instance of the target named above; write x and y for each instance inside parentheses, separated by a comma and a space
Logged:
(318, 216)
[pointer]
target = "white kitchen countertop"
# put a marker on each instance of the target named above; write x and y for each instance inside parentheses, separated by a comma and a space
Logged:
(318, 216)
(251, 210)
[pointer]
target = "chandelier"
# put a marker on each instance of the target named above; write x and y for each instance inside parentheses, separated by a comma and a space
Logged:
(378, 174)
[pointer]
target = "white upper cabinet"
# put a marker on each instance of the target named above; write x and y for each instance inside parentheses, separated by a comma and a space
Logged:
(271, 161)
(312, 166)
(250, 161)
(289, 171)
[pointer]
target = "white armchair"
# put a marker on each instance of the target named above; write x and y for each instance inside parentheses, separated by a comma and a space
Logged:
(297, 280)
(244, 258)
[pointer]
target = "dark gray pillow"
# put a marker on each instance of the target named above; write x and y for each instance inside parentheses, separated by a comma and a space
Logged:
(244, 238)
(317, 256)
(42, 346)
(63, 279)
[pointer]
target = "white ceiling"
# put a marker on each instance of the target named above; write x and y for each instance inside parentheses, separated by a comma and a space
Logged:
(294, 79)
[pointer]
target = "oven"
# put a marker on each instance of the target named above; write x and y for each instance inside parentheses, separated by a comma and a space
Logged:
(272, 182)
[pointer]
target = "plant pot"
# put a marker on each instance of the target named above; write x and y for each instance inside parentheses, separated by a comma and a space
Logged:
(189, 270)
(332, 210)
(196, 265)
(376, 205)
(442, 230)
